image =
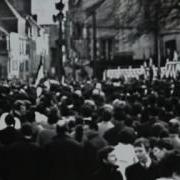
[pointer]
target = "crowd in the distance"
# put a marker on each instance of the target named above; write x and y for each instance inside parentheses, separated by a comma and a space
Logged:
(112, 130)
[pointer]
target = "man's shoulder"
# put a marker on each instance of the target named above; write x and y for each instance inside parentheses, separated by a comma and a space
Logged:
(133, 167)
(133, 170)
(65, 141)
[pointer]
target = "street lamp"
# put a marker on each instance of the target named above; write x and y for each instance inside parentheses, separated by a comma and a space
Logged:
(59, 17)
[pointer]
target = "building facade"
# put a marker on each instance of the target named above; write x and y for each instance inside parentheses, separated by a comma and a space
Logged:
(95, 27)
(27, 42)
(115, 45)
(4, 49)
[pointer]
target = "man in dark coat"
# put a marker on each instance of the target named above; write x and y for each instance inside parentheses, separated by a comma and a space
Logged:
(145, 169)
(1, 160)
(21, 158)
(9, 135)
(63, 156)
(107, 168)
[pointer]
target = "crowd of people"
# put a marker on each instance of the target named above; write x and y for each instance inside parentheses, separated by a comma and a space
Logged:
(90, 130)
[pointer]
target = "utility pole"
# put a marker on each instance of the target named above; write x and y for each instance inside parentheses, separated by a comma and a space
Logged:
(59, 17)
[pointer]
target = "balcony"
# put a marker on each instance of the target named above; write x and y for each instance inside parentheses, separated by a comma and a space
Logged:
(3, 47)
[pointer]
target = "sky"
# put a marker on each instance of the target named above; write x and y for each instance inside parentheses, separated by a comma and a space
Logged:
(45, 9)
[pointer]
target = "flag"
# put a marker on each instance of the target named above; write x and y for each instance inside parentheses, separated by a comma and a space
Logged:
(40, 73)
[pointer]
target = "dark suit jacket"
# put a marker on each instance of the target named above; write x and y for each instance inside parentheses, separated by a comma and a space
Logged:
(138, 172)
(21, 161)
(9, 135)
(63, 159)
(1, 160)
(106, 172)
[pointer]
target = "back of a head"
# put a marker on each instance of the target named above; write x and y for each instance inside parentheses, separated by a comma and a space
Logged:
(119, 109)
(27, 130)
(53, 116)
(107, 112)
(106, 115)
(159, 129)
(30, 116)
(86, 110)
(166, 143)
(128, 120)
(9, 120)
(127, 136)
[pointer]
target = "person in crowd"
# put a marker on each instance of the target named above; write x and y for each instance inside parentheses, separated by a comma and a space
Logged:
(160, 148)
(48, 131)
(145, 168)
(63, 156)
(106, 117)
(15, 111)
(170, 166)
(174, 130)
(107, 165)
(9, 135)
(21, 158)
(118, 120)
(40, 113)
(78, 133)
(72, 121)
(124, 150)
(93, 142)
(20, 110)
(2, 161)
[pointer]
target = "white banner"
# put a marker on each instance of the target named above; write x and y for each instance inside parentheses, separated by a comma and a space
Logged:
(170, 70)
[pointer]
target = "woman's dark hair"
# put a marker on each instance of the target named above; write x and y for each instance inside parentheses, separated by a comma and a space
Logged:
(103, 152)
